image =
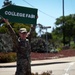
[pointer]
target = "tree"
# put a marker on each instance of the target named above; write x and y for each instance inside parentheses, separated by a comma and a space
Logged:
(69, 26)
(6, 3)
(49, 36)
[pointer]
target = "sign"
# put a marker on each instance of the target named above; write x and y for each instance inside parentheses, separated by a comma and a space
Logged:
(19, 14)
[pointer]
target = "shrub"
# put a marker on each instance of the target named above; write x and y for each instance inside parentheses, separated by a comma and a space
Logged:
(6, 43)
(7, 57)
(72, 46)
(38, 45)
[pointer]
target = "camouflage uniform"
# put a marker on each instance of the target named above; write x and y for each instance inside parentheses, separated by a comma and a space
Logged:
(23, 50)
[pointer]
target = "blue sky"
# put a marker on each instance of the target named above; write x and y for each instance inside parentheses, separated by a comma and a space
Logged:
(48, 10)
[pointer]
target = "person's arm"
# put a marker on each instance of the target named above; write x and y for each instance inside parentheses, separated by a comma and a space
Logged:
(9, 26)
(12, 33)
(30, 33)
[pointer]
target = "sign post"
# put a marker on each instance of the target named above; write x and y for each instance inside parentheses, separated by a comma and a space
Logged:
(19, 14)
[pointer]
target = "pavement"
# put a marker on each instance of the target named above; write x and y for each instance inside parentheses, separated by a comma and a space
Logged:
(42, 62)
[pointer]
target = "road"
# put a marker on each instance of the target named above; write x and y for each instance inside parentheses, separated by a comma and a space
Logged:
(57, 69)
(66, 66)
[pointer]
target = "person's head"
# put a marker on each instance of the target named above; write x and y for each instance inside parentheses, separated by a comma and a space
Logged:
(23, 33)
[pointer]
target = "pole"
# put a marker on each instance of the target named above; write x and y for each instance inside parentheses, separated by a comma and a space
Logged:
(46, 41)
(47, 37)
(43, 27)
(63, 23)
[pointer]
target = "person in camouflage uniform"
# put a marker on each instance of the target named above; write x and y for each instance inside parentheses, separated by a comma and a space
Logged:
(23, 49)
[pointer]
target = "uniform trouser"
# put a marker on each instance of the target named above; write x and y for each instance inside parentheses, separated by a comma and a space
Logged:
(23, 67)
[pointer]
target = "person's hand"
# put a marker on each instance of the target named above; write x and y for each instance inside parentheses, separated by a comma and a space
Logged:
(28, 34)
(32, 27)
(6, 21)
(1, 20)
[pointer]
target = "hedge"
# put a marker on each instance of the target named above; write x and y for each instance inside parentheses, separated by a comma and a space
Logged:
(7, 57)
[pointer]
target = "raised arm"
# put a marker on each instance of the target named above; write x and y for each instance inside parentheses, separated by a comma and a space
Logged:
(30, 33)
(12, 33)
(9, 26)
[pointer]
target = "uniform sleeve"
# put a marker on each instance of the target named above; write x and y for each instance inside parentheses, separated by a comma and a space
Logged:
(13, 36)
(30, 33)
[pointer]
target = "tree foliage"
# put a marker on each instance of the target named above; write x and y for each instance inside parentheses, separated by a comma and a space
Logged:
(6, 3)
(69, 27)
